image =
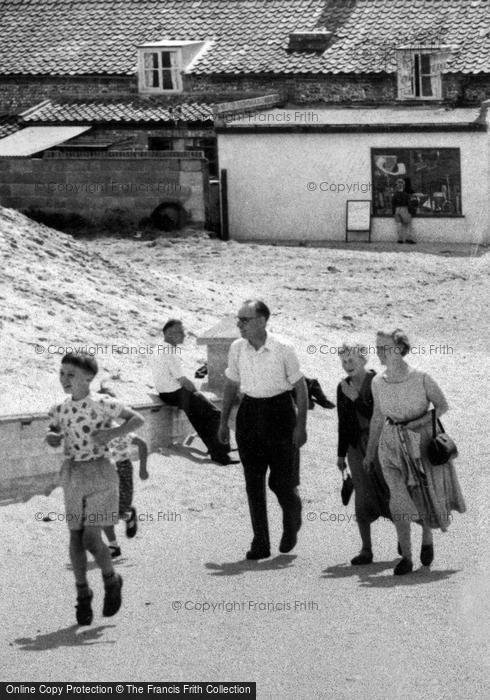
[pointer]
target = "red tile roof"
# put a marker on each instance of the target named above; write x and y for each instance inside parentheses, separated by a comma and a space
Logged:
(62, 37)
(130, 111)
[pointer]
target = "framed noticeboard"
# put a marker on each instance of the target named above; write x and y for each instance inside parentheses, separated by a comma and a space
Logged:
(358, 217)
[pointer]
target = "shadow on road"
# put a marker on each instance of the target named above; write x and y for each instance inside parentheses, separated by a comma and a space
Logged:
(369, 575)
(193, 454)
(234, 568)
(67, 637)
(93, 566)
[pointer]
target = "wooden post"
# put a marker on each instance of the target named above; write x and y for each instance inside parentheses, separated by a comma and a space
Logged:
(225, 230)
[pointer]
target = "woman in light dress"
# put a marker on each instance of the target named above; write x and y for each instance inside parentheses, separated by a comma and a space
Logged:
(402, 425)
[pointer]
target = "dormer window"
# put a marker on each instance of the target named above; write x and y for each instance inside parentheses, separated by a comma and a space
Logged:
(161, 64)
(420, 71)
(161, 71)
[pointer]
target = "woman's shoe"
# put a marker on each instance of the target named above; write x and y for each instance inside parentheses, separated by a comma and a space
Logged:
(405, 566)
(427, 554)
(363, 558)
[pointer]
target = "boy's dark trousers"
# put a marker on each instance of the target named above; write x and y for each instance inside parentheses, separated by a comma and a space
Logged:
(264, 435)
(203, 416)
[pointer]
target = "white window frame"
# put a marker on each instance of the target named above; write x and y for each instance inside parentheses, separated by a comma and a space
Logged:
(407, 71)
(175, 70)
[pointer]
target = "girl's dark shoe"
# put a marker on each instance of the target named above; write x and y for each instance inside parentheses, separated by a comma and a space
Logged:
(427, 554)
(84, 609)
(115, 551)
(405, 566)
(362, 559)
(132, 524)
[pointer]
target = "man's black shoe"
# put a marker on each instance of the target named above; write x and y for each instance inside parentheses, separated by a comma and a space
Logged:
(258, 552)
(224, 459)
(288, 541)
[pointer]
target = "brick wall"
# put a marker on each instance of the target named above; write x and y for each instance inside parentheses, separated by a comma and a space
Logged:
(18, 93)
(466, 90)
(304, 89)
(97, 186)
(376, 88)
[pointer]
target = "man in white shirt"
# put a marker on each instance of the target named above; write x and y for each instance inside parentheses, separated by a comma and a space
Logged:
(175, 389)
(269, 429)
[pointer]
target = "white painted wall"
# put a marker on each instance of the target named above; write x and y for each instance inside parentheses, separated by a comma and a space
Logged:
(268, 176)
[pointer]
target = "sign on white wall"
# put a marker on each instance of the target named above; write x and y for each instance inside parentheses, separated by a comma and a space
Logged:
(358, 217)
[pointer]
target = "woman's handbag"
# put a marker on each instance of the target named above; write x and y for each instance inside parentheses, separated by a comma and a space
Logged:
(441, 447)
(347, 487)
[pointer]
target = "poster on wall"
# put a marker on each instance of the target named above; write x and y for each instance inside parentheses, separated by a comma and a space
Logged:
(432, 176)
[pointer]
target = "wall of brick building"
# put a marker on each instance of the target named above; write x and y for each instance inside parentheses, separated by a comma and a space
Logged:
(376, 88)
(99, 186)
(303, 89)
(18, 93)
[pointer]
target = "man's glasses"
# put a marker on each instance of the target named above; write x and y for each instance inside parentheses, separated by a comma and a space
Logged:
(245, 319)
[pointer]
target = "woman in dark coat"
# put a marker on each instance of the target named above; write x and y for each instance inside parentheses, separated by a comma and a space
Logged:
(355, 408)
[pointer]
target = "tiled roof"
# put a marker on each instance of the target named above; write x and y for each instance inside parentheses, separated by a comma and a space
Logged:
(96, 111)
(8, 125)
(62, 37)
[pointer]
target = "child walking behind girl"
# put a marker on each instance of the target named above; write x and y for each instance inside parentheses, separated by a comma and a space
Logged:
(121, 453)
(88, 476)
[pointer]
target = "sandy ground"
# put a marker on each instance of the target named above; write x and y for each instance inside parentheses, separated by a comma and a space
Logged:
(300, 625)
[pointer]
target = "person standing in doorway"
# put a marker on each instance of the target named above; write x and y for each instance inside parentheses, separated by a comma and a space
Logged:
(403, 218)
(270, 426)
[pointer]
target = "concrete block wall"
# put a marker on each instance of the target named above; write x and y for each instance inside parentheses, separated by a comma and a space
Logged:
(29, 466)
(98, 185)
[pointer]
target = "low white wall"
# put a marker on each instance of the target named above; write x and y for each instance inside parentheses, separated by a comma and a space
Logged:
(270, 195)
(30, 466)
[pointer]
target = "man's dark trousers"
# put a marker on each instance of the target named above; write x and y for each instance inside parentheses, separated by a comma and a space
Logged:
(264, 435)
(203, 416)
